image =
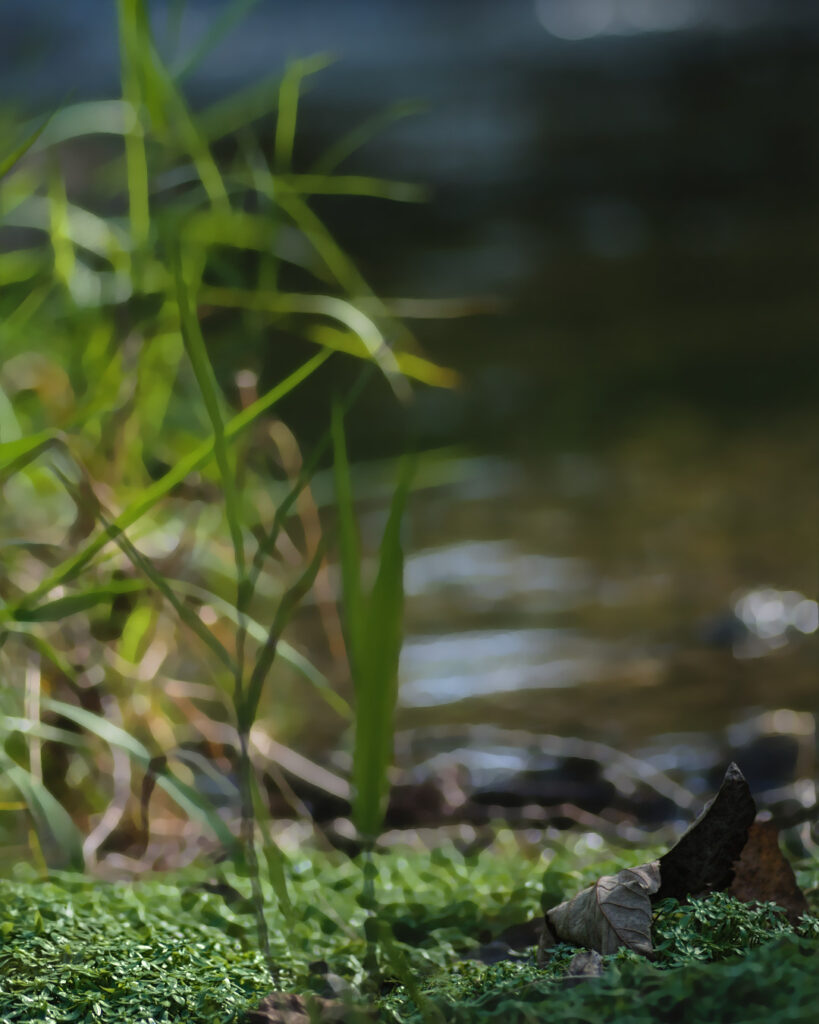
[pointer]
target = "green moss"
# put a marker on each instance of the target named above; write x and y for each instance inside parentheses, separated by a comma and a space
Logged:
(166, 950)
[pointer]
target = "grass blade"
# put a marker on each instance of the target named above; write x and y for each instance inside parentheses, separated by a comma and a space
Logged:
(349, 551)
(206, 378)
(20, 151)
(83, 601)
(58, 834)
(16, 455)
(377, 683)
(264, 661)
(152, 495)
(289, 92)
(284, 650)
(192, 803)
(136, 161)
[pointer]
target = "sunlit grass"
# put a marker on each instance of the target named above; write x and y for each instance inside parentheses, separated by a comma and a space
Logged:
(148, 549)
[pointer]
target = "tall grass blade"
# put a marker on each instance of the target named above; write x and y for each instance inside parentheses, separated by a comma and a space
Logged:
(364, 133)
(73, 604)
(192, 803)
(284, 650)
(59, 836)
(151, 495)
(136, 161)
(17, 154)
(377, 683)
(206, 378)
(264, 660)
(16, 455)
(230, 16)
(289, 92)
(186, 614)
(349, 552)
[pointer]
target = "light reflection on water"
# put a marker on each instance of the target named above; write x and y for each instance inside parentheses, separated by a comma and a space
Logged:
(442, 669)
(644, 600)
(488, 571)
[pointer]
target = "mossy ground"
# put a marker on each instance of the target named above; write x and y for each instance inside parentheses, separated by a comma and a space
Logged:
(167, 949)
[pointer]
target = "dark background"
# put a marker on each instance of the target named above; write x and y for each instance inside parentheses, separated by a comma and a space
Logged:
(630, 185)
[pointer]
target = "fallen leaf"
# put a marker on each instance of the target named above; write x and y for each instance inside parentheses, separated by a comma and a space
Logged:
(614, 912)
(702, 861)
(763, 873)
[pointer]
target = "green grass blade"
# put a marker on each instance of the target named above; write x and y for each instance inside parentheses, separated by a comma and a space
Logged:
(192, 803)
(241, 108)
(160, 488)
(113, 735)
(350, 185)
(349, 551)
(363, 133)
(136, 161)
(17, 154)
(196, 806)
(59, 836)
(231, 14)
(16, 455)
(206, 378)
(289, 92)
(73, 604)
(317, 679)
(284, 650)
(377, 683)
(186, 614)
(410, 365)
(41, 731)
(264, 660)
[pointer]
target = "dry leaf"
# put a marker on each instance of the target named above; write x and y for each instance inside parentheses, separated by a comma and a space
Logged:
(763, 873)
(701, 862)
(614, 912)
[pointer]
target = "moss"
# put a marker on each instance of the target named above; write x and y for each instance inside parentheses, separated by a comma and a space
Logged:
(167, 949)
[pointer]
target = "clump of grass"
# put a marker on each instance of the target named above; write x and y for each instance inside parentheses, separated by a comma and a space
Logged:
(143, 595)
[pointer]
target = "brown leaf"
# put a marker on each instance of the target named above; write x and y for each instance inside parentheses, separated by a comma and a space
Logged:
(763, 873)
(288, 1008)
(614, 912)
(701, 862)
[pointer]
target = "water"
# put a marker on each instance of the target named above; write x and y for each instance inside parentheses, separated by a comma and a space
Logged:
(619, 596)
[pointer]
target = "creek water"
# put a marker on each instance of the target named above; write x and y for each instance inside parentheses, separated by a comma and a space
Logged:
(657, 596)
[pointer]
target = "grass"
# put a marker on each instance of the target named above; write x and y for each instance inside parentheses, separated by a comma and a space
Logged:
(169, 949)
(189, 237)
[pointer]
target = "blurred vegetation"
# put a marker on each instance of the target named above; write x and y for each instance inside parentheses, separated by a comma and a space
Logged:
(158, 521)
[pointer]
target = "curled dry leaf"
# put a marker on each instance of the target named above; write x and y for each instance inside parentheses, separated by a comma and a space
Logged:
(702, 860)
(763, 873)
(614, 912)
